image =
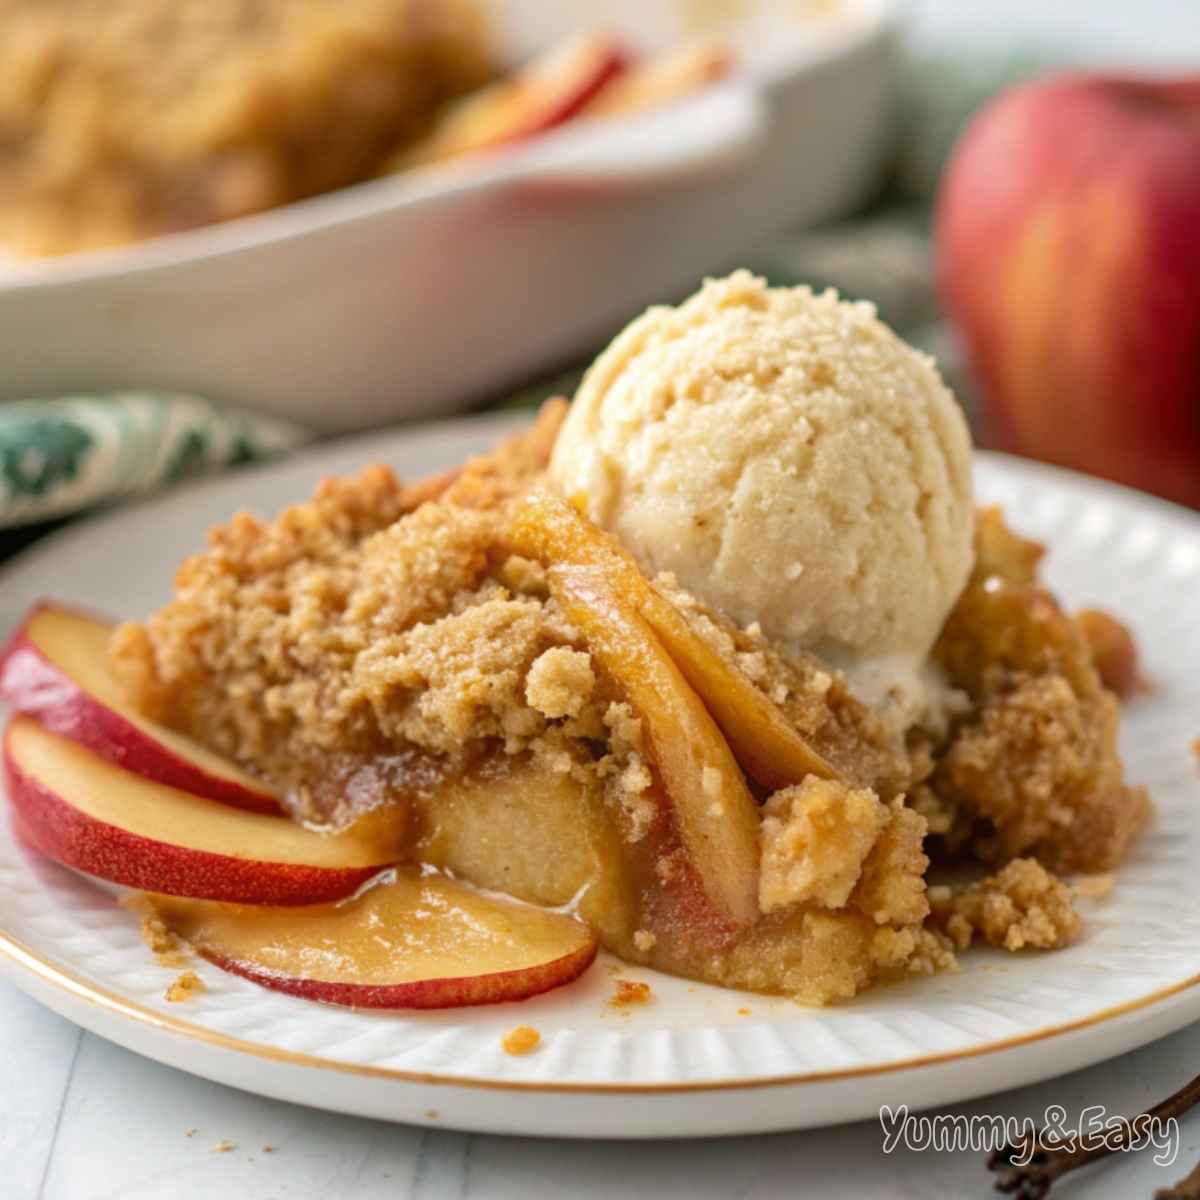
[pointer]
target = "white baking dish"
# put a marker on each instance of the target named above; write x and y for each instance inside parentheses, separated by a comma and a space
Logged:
(420, 293)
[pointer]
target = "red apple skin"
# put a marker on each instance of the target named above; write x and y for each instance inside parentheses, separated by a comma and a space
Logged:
(613, 62)
(1068, 235)
(461, 991)
(37, 687)
(525, 104)
(52, 826)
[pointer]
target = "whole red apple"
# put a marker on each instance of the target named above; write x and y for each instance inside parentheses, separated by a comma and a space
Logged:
(1068, 233)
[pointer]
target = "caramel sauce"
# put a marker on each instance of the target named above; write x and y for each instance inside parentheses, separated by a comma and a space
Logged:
(406, 927)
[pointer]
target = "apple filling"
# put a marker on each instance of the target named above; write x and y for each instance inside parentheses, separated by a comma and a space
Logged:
(470, 676)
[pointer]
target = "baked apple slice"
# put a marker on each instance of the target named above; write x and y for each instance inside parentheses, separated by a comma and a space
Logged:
(418, 940)
(55, 667)
(86, 813)
(662, 79)
(770, 749)
(715, 815)
(547, 92)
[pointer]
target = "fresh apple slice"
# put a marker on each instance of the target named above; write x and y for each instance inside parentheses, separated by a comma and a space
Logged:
(715, 814)
(547, 92)
(55, 668)
(770, 749)
(82, 811)
(663, 79)
(418, 941)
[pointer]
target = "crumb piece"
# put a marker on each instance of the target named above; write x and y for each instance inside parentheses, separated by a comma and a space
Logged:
(629, 779)
(1196, 748)
(1023, 906)
(815, 838)
(268, 1148)
(524, 575)
(560, 682)
(224, 1146)
(932, 952)
(166, 947)
(743, 1012)
(753, 664)
(644, 940)
(520, 1040)
(1113, 651)
(188, 984)
(891, 887)
(432, 1114)
(628, 992)
(189, 1133)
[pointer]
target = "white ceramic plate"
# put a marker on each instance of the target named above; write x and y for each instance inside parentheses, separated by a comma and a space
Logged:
(688, 1064)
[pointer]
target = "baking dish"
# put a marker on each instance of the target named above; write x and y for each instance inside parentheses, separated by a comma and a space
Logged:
(424, 292)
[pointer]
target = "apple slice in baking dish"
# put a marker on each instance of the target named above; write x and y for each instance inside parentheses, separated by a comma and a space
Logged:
(86, 813)
(55, 668)
(547, 92)
(415, 940)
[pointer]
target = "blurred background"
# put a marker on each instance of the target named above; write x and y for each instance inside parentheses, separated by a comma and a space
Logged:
(233, 228)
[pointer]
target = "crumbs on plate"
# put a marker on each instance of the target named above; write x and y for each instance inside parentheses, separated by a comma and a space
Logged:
(627, 992)
(520, 1040)
(188, 984)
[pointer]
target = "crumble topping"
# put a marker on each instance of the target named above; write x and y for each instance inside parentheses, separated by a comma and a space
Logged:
(626, 771)
(1023, 906)
(630, 992)
(815, 837)
(1032, 767)
(126, 118)
(313, 642)
(891, 887)
(560, 681)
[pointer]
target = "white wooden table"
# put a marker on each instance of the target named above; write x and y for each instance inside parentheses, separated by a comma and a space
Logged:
(81, 1119)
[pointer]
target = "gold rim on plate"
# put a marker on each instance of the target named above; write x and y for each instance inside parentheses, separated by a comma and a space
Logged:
(23, 955)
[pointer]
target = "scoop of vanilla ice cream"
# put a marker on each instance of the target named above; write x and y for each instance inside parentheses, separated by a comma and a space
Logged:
(791, 461)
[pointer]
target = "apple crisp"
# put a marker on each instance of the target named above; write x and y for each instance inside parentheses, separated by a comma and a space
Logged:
(388, 645)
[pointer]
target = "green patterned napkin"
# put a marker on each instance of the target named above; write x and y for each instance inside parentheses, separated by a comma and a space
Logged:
(60, 456)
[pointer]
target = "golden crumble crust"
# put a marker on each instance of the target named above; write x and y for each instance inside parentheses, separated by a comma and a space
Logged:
(299, 645)
(120, 119)
(1033, 767)
(815, 838)
(1021, 907)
